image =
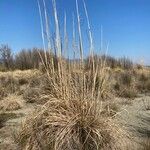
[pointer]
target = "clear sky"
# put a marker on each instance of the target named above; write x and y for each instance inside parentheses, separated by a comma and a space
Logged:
(126, 24)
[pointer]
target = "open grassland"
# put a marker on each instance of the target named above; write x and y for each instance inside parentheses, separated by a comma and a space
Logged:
(94, 103)
(33, 112)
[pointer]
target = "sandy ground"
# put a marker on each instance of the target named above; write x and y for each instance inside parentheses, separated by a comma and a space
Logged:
(134, 115)
(11, 126)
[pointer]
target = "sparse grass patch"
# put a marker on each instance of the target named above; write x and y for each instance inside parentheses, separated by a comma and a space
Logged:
(129, 93)
(126, 92)
(31, 95)
(146, 104)
(111, 108)
(6, 116)
(126, 79)
(126, 101)
(146, 144)
(35, 81)
(3, 93)
(10, 106)
(9, 84)
(144, 87)
(10, 103)
(147, 85)
(143, 82)
(125, 85)
(143, 77)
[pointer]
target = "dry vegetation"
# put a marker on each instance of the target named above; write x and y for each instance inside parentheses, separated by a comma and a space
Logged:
(71, 103)
(69, 116)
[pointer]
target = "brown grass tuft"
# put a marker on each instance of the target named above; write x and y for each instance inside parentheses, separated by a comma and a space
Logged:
(65, 126)
(31, 95)
(74, 117)
(10, 103)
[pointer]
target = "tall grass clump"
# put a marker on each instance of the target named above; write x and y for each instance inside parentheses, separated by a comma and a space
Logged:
(74, 117)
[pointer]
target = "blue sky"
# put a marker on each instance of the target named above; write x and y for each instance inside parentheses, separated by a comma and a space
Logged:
(126, 24)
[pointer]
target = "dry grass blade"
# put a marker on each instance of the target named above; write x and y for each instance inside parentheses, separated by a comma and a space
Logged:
(80, 34)
(57, 31)
(90, 34)
(47, 26)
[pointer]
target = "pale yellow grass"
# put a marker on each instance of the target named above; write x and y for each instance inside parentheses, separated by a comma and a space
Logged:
(11, 102)
(18, 74)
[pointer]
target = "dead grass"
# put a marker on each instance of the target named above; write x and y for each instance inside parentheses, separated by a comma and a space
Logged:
(146, 144)
(18, 74)
(8, 83)
(10, 103)
(60, 125)
(31, 95)
(74, 117)
(3, 93)
(111, 108)
(143, 82)
(6, 116)
(77, 111)
(146, 104)
(125, 85)
(12, 82)
(129, 84)
(129, 93)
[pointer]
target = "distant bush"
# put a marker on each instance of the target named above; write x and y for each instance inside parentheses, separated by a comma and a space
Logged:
(109, 61)
(24, 59)
(31, 59)
(125, 63)
(139, 66)
(6, 58)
